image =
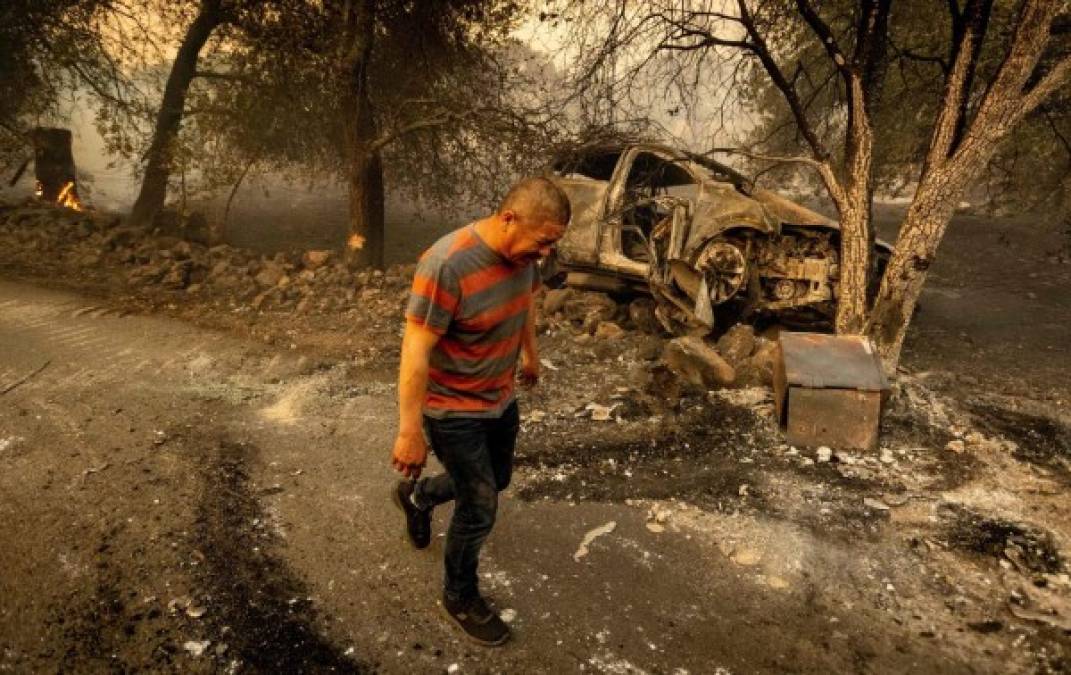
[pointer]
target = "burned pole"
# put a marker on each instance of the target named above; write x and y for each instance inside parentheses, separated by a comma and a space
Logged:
(54, 166)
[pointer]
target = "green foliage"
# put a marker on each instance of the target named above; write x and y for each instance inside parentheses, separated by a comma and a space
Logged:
(41, 43)
(447, 85)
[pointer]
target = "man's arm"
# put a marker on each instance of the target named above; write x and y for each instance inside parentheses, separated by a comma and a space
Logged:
(410, 449)
(529, 350)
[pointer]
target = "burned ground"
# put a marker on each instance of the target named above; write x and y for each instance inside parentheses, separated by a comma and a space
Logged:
(265, 617)
(697, 457)
(1032, 548)
(942, 551)
(1039, 439)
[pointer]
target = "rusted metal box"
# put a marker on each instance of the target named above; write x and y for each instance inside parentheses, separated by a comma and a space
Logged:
(828, 390)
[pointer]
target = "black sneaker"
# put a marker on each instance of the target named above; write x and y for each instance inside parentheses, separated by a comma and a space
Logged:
(480, 623)
(417, 521)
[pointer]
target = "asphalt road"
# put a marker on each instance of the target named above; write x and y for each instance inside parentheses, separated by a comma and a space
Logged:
(176, 499)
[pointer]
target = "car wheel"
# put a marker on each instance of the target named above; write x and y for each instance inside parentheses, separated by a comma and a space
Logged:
(724, 267)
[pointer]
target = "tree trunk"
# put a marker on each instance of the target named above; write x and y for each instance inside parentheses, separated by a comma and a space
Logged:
(366, 209)
(366, 196)
(941, 187)
(853, 207)
(854, 267)
(863, 79)
(949, 168)
(169, 118)
(920, 234)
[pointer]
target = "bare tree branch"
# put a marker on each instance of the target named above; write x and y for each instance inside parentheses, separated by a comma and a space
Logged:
(908, 54)
(777, 159)
(1004, 104)
(824, 33)
(1052, 82)
(949, 123)
(1059, 134)
(824, 169)
(232, 77)
(234, 190)
(791, 96)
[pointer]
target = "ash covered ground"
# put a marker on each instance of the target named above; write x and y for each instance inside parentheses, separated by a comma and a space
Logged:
(196, 477)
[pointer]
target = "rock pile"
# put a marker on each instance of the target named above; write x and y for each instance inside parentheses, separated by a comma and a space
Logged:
(177, 262)
(698, 363)
(313, 280)
(739, 358)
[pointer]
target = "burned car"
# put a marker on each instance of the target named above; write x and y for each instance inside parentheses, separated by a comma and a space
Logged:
(707, 244)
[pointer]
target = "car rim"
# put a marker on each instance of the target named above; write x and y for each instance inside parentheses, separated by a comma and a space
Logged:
(725, 269)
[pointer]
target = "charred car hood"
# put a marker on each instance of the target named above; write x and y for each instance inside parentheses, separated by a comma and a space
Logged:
(788, 211)
(723, 206)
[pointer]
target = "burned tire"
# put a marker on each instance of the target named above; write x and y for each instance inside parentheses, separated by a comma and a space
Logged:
(723, 264)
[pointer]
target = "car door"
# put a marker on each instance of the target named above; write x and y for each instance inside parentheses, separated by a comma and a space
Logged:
(586, 179)
(608, 233)
(660, 173)
(579, 244)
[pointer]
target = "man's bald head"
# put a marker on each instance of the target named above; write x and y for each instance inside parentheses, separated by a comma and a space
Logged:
(537, 200)
(530, 220)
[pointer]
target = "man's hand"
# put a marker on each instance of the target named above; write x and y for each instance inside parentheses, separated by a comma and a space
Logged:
(410, 450)
(529, 372)
(529, 351)
(410, 454)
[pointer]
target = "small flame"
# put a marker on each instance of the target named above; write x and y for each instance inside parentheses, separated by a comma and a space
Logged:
(67, 197)
(355, 242)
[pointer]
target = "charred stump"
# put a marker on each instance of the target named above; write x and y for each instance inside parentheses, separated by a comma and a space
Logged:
(54, 165)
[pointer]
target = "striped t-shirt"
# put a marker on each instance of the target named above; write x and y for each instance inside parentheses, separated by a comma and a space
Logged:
(477, 300)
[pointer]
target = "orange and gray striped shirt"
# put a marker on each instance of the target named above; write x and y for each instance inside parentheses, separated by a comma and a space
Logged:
(478, 301)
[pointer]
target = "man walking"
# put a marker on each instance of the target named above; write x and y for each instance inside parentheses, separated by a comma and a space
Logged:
(470, 315)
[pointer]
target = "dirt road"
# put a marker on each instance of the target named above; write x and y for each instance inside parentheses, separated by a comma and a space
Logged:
(176, 499)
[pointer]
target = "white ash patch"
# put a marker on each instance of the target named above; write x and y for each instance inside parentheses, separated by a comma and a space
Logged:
(608, 662)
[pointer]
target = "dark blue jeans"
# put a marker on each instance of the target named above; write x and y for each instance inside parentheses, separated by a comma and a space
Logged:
(478, 456)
